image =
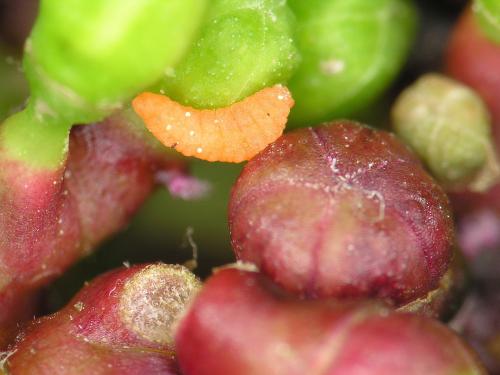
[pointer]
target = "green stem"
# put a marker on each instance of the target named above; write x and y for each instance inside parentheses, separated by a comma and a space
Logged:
(487, 13)
(36, 141)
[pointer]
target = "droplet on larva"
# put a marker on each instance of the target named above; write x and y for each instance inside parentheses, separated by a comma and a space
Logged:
(168, 127)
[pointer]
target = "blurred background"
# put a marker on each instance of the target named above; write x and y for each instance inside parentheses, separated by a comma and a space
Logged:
(166, 228)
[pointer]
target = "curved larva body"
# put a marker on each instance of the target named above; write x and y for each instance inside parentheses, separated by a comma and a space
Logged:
(231, 134)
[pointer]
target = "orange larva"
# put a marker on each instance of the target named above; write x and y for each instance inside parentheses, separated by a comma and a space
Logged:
(231, 134)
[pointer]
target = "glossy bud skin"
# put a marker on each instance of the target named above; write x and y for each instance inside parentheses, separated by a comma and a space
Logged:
(448, 126)
(50, 218)
(240, 323)
(119, 323)
(351, 51)
(243, 46)
(342, 210)
(86, 58)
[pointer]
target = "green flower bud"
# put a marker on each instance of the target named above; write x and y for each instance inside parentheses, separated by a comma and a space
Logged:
(84, 58)
(448, 126)
(487, 12)
(351, 51)
(244, 46)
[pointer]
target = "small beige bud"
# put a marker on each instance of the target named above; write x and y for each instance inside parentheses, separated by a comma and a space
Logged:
(448, 126)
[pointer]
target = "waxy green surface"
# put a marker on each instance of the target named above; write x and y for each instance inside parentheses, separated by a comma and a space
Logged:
(244, 46)
(85, 58)
(351, 51)
(30, 139)
(487, 12)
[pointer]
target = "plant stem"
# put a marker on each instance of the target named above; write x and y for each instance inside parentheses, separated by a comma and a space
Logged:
(41, 143)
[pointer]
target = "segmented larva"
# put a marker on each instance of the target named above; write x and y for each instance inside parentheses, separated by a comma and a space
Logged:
(231, 134)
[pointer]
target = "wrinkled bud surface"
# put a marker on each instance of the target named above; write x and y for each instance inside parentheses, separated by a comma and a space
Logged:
(121, 323)
(448, 126)
(242, 324)
(342, 210)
